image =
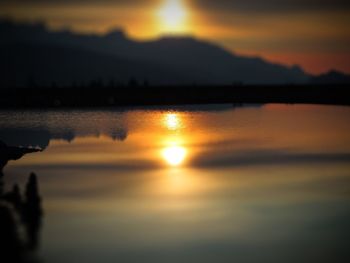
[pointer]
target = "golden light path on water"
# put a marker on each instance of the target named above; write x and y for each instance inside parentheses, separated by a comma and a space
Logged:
(181, 178)
(174, 152)
(172, 121)
(174, 155)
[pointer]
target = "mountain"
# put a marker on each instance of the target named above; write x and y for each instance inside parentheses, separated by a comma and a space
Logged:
(41, 64)
(33, 53)
(331, 77)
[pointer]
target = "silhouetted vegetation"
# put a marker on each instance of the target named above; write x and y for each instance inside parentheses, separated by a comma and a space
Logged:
(16, 212)
(12, 249)
(32, 212)
(8, 153)
(102, 95)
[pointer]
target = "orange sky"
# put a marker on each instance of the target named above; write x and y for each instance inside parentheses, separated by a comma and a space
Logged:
(313, 35)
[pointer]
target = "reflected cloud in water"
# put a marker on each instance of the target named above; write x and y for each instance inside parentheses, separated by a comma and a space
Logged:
(37, 129)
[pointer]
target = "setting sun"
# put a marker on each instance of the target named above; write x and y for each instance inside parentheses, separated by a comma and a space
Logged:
(174, 155)
(172, 15)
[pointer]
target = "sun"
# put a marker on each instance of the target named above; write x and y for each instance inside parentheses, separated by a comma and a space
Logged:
(174, 155)
(172, 16)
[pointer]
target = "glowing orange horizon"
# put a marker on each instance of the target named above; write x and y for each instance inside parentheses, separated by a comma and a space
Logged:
(294, 38)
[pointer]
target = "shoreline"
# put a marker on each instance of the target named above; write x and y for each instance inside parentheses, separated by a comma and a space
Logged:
(102, 96)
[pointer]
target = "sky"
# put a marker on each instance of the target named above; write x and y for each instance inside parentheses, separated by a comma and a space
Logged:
(314, 34)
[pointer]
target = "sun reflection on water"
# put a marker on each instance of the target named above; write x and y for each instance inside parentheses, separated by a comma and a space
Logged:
(174, 155)
(172, 121)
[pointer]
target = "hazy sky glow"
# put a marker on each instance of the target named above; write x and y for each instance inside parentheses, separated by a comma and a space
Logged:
(312, 33)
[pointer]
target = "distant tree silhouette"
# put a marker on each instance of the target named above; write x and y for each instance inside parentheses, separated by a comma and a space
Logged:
(99, 83)
(14, 197)
(32, 211)
(74, 84)
(31, 83)
(1, 186)
(13, 249)
(133, 82)
(54, 85)
(111, 84)
(10, 243)
(93, 84)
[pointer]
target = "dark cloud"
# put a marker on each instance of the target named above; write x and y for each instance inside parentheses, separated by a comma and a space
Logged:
(131, 2)
(239, 5)
(274, 5)
(72, 2)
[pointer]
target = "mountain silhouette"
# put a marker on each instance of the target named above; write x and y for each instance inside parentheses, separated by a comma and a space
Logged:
(31, 53)
(331, 77)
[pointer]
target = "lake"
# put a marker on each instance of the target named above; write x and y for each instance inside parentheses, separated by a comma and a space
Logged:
(212, 183)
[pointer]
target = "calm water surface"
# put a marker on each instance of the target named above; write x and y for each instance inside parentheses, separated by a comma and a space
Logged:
(195, 184)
